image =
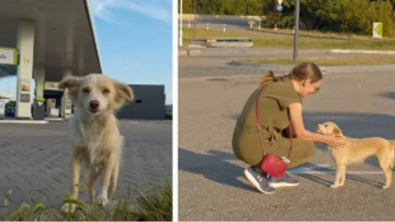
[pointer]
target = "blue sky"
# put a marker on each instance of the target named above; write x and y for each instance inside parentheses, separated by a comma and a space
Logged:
(135, 42)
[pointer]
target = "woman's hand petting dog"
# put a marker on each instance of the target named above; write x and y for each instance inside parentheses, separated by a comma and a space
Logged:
(335, 141)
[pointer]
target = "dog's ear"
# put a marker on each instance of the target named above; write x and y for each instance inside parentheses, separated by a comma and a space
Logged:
(72, 84)
(123, 92)
(337, 132)
(69, 82)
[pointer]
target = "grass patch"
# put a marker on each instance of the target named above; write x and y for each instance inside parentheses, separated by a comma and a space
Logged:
(335, 61)
(319, 34)
(153, 206)
(286, 42)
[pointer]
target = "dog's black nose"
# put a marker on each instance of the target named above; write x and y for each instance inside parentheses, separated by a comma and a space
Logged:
(94, 104)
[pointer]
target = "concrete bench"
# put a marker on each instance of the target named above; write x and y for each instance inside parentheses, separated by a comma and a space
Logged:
(226, 42)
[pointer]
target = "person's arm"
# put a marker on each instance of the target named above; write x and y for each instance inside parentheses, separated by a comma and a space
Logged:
(295, 110)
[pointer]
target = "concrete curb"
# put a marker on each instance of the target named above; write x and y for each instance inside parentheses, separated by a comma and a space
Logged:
(182, 52)
(243, 51)
(278, 69)
(189, 52)
(242, 63)
(25, 121)
(193, 52)
(55, 120)
(361, 51)
(325, 69)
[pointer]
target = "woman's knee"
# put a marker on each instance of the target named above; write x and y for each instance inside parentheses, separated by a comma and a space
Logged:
(249, 155)
(303, 152)
(310, 148)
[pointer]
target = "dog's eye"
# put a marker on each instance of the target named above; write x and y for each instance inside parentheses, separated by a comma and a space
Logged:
(85, 90)
(106, 91)
(326, 125)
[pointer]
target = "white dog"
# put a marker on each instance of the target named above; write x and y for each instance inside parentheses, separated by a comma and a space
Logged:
(94, 136)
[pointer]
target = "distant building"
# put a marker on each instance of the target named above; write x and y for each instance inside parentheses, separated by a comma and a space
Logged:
(149, 103)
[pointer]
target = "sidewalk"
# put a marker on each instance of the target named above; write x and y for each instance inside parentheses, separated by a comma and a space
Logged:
(35, 160)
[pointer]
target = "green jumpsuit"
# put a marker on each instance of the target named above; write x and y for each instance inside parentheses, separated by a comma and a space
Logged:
(274, 118)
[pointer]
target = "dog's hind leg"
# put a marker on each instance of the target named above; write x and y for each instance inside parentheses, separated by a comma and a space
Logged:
(386, 163)
(388, 176)
(114, 179)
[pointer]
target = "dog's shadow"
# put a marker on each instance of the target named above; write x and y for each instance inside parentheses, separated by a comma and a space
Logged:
(332, 172)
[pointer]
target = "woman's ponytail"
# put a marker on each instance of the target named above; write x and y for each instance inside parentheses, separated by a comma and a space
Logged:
(270, 77)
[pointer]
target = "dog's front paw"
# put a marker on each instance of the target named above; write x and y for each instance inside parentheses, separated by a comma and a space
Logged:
(66, 208)
(102, 201)
(386, 187)
(334, 186)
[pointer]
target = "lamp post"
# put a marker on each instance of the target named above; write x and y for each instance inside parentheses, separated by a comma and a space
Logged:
(180, 37)
(194, 19)
(296, 34)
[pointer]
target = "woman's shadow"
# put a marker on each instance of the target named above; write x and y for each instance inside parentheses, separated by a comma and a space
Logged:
(213, 166)
(216, 166)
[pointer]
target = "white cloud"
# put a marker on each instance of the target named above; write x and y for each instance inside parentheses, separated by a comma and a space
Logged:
(100, 9)
(104, 9)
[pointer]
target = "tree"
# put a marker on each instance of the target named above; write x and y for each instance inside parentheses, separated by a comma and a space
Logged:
(254, 7)
(187, 6)
(382, 11)
(347, 16)
(235, 7)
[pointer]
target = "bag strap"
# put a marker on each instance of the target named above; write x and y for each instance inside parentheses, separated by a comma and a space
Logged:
(259, 124)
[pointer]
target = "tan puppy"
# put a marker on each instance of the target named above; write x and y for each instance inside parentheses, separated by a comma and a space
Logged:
(94, 135)
(357, 150)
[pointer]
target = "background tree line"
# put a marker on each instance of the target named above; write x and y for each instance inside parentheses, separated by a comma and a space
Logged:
(346, 16)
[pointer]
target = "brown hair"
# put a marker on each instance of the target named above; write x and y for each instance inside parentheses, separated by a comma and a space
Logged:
(303, 71)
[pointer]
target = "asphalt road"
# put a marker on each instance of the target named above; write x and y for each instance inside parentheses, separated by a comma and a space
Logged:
(211, 182)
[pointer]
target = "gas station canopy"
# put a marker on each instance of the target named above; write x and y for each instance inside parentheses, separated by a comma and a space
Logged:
(64, 35)
(5, 96)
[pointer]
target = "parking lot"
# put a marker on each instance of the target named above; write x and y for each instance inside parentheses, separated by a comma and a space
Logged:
(211, 182)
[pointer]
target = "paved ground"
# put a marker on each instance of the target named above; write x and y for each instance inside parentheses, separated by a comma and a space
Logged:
(243, 53)
(219, 66)
(34, 160)
(211, 182)
(231, 28)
